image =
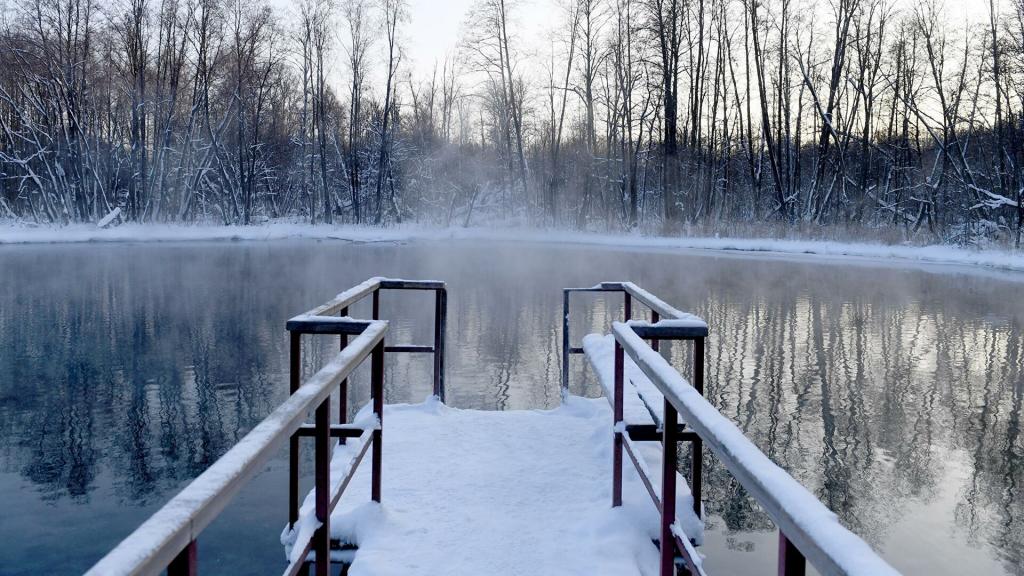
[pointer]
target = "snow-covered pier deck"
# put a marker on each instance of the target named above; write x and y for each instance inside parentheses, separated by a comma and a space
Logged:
(487, 492)
(451, 491)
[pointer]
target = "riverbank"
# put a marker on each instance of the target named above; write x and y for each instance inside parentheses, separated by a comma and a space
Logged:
(934, 254)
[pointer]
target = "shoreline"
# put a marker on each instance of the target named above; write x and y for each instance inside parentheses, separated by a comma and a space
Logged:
(998, 259)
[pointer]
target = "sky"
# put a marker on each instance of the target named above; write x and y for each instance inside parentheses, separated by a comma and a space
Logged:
(434, 25)
(434, 28)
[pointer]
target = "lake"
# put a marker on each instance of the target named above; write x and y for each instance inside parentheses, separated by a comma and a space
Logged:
(892, 391)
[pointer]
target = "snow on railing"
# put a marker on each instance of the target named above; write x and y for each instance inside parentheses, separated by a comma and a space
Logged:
(663, 313)
(356, 293)
(320, 320)
(804, 522)
(807, 529)
(168, 538)
(326, 318)
(666, 322)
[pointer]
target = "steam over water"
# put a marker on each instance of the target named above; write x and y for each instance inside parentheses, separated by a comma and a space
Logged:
(894, 394)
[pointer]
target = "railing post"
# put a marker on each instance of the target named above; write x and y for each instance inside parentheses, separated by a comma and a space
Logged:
(655, 317)
(186, 563)
(375, 312)
(627, 305)
(322, 455)
(294, 380)
(377, 391)
(343, 388)
(565, 344)
(791, 560)
(669, 463)
(440, 325)
(697, 447)
(617, 421)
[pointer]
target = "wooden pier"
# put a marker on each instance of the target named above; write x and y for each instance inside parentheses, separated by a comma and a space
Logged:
(450, 491)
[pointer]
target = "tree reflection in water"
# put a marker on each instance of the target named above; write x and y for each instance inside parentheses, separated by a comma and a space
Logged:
(125, 370)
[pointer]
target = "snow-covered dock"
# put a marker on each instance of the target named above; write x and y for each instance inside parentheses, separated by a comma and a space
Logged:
(450, 491)
(486, 492)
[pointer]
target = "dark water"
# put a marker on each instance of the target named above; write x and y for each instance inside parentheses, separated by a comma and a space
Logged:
(893, 394)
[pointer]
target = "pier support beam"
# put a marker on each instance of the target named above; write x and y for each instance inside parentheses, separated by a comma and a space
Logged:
(186, 563)
(343, 388)
(669, 462)
(440, 327)
(791, 561)
(377, 391)
(617, 408)
(294, 380)
(697, 447)
(322, 441)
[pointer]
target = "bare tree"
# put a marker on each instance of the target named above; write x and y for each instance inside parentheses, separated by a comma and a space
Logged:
(394, 12)
(357, 14)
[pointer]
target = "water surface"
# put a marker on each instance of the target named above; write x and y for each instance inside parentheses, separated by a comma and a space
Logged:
(893, 393)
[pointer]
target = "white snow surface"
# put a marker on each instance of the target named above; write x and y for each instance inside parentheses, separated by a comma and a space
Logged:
(494, 492)
(675, 317)
(106, 220)
(600, 351)
(20, 233)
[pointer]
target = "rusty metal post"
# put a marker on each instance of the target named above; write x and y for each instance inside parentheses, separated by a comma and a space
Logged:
(322, 455)
(617, 421)
(698, 365)
(377, 391)
(670, 434)
(186, 563)
(655, 317)
(440, 325)
(343, 387)
(697, 447)
(791, 560)
(565, 344)
(618, 408)
(294, 380)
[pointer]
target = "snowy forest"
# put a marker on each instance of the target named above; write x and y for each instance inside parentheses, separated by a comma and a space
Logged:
(662, 115)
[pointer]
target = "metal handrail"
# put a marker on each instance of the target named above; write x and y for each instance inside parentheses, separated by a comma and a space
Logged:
(321, 320)
(329, 317)
(684, 326)
(667, 323)
(162, 539)
(808, 529)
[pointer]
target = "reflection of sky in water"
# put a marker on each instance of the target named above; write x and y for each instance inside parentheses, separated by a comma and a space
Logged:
(125, 370)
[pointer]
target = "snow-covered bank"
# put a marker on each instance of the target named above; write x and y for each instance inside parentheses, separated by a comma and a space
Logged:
(938, 254)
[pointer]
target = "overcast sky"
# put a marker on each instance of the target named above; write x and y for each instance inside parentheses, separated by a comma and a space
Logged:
(434, 28)
(434, 25)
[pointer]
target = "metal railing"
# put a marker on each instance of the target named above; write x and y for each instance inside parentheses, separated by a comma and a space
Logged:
(321, 320)
(808, 530)
(168, 538)
(682, 326)
(659, 310)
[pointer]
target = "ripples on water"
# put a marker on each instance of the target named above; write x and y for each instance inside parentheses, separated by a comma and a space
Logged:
(125, 370)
